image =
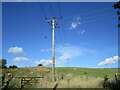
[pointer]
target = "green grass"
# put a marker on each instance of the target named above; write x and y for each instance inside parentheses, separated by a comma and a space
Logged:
(79, 77)
(89, 71)
(37, 71)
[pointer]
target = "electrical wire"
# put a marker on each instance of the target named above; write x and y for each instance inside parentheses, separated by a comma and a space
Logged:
(59, 9)
(97, 15)
(51, 9)
(89, 12)
(42, 9)
(63, 35)
(93, 17)
(98, 19)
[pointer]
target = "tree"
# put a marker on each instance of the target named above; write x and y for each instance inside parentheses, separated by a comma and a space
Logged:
(3, 62)
(117, 6)
(40, 65)
(13, 66)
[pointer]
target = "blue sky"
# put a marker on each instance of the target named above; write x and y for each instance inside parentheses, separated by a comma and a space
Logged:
(88, 36)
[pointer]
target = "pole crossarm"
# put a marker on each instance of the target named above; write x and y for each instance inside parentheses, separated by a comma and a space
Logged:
(52, 19)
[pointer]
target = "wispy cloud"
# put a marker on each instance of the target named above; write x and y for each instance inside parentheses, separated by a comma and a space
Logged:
(74, 25)
(76, 18)
(111, 60)
(44, 62)
(68, 52)
(16, 50)
(81, 32)
(75, 22)
(19, 59)
(45, 50)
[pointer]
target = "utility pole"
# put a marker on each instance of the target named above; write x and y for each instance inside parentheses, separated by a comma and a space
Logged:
(52, 22)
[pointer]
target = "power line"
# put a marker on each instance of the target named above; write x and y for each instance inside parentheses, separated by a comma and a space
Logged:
(93, 17)
(63, 35)
(97, 15)
(59, 9)
(63, 32)
(90, 21)
(59, 37)
(98, 19)
(51, 9)
(89, 12)
(42, 10)
(96, 11)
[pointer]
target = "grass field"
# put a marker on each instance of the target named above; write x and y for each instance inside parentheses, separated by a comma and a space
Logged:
(66, 77)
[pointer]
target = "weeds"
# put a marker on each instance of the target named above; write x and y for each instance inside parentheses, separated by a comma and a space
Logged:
(65, 78)
(111, 84)
(71, 81)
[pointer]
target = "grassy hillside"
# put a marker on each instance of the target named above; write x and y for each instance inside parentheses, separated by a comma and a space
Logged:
(36, 71)
(88, 71)
(66, 77)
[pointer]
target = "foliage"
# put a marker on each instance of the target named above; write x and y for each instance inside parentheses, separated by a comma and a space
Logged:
(118, 13)
(117, 5)
(40, 64)
(3, 62)
(5, 67)
(6, 80)
(111, 84)
(13, 66)
(118, 25)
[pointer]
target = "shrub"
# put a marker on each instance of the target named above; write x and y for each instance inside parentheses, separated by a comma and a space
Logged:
(3, 62)
(14, 66)
(4, 67)
(40, 65)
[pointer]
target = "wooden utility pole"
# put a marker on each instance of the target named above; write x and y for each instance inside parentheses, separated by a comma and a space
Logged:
(52, 22)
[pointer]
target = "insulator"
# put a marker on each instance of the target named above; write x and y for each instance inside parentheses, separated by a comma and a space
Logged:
(54, 17)
(56, 23)
(55, 27)
(45, 18)
(60, 17)
(58, 26)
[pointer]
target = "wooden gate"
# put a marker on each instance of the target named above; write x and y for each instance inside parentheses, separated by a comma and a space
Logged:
(26, 80)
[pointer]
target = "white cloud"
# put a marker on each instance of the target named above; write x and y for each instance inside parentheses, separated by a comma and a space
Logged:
(77, 18)
(44, 62)
(67, 52)
(19, 59)
(111, 60)
(74, 25)
(16, 50)
(81, 32)
(45, 50)
(75, 22)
